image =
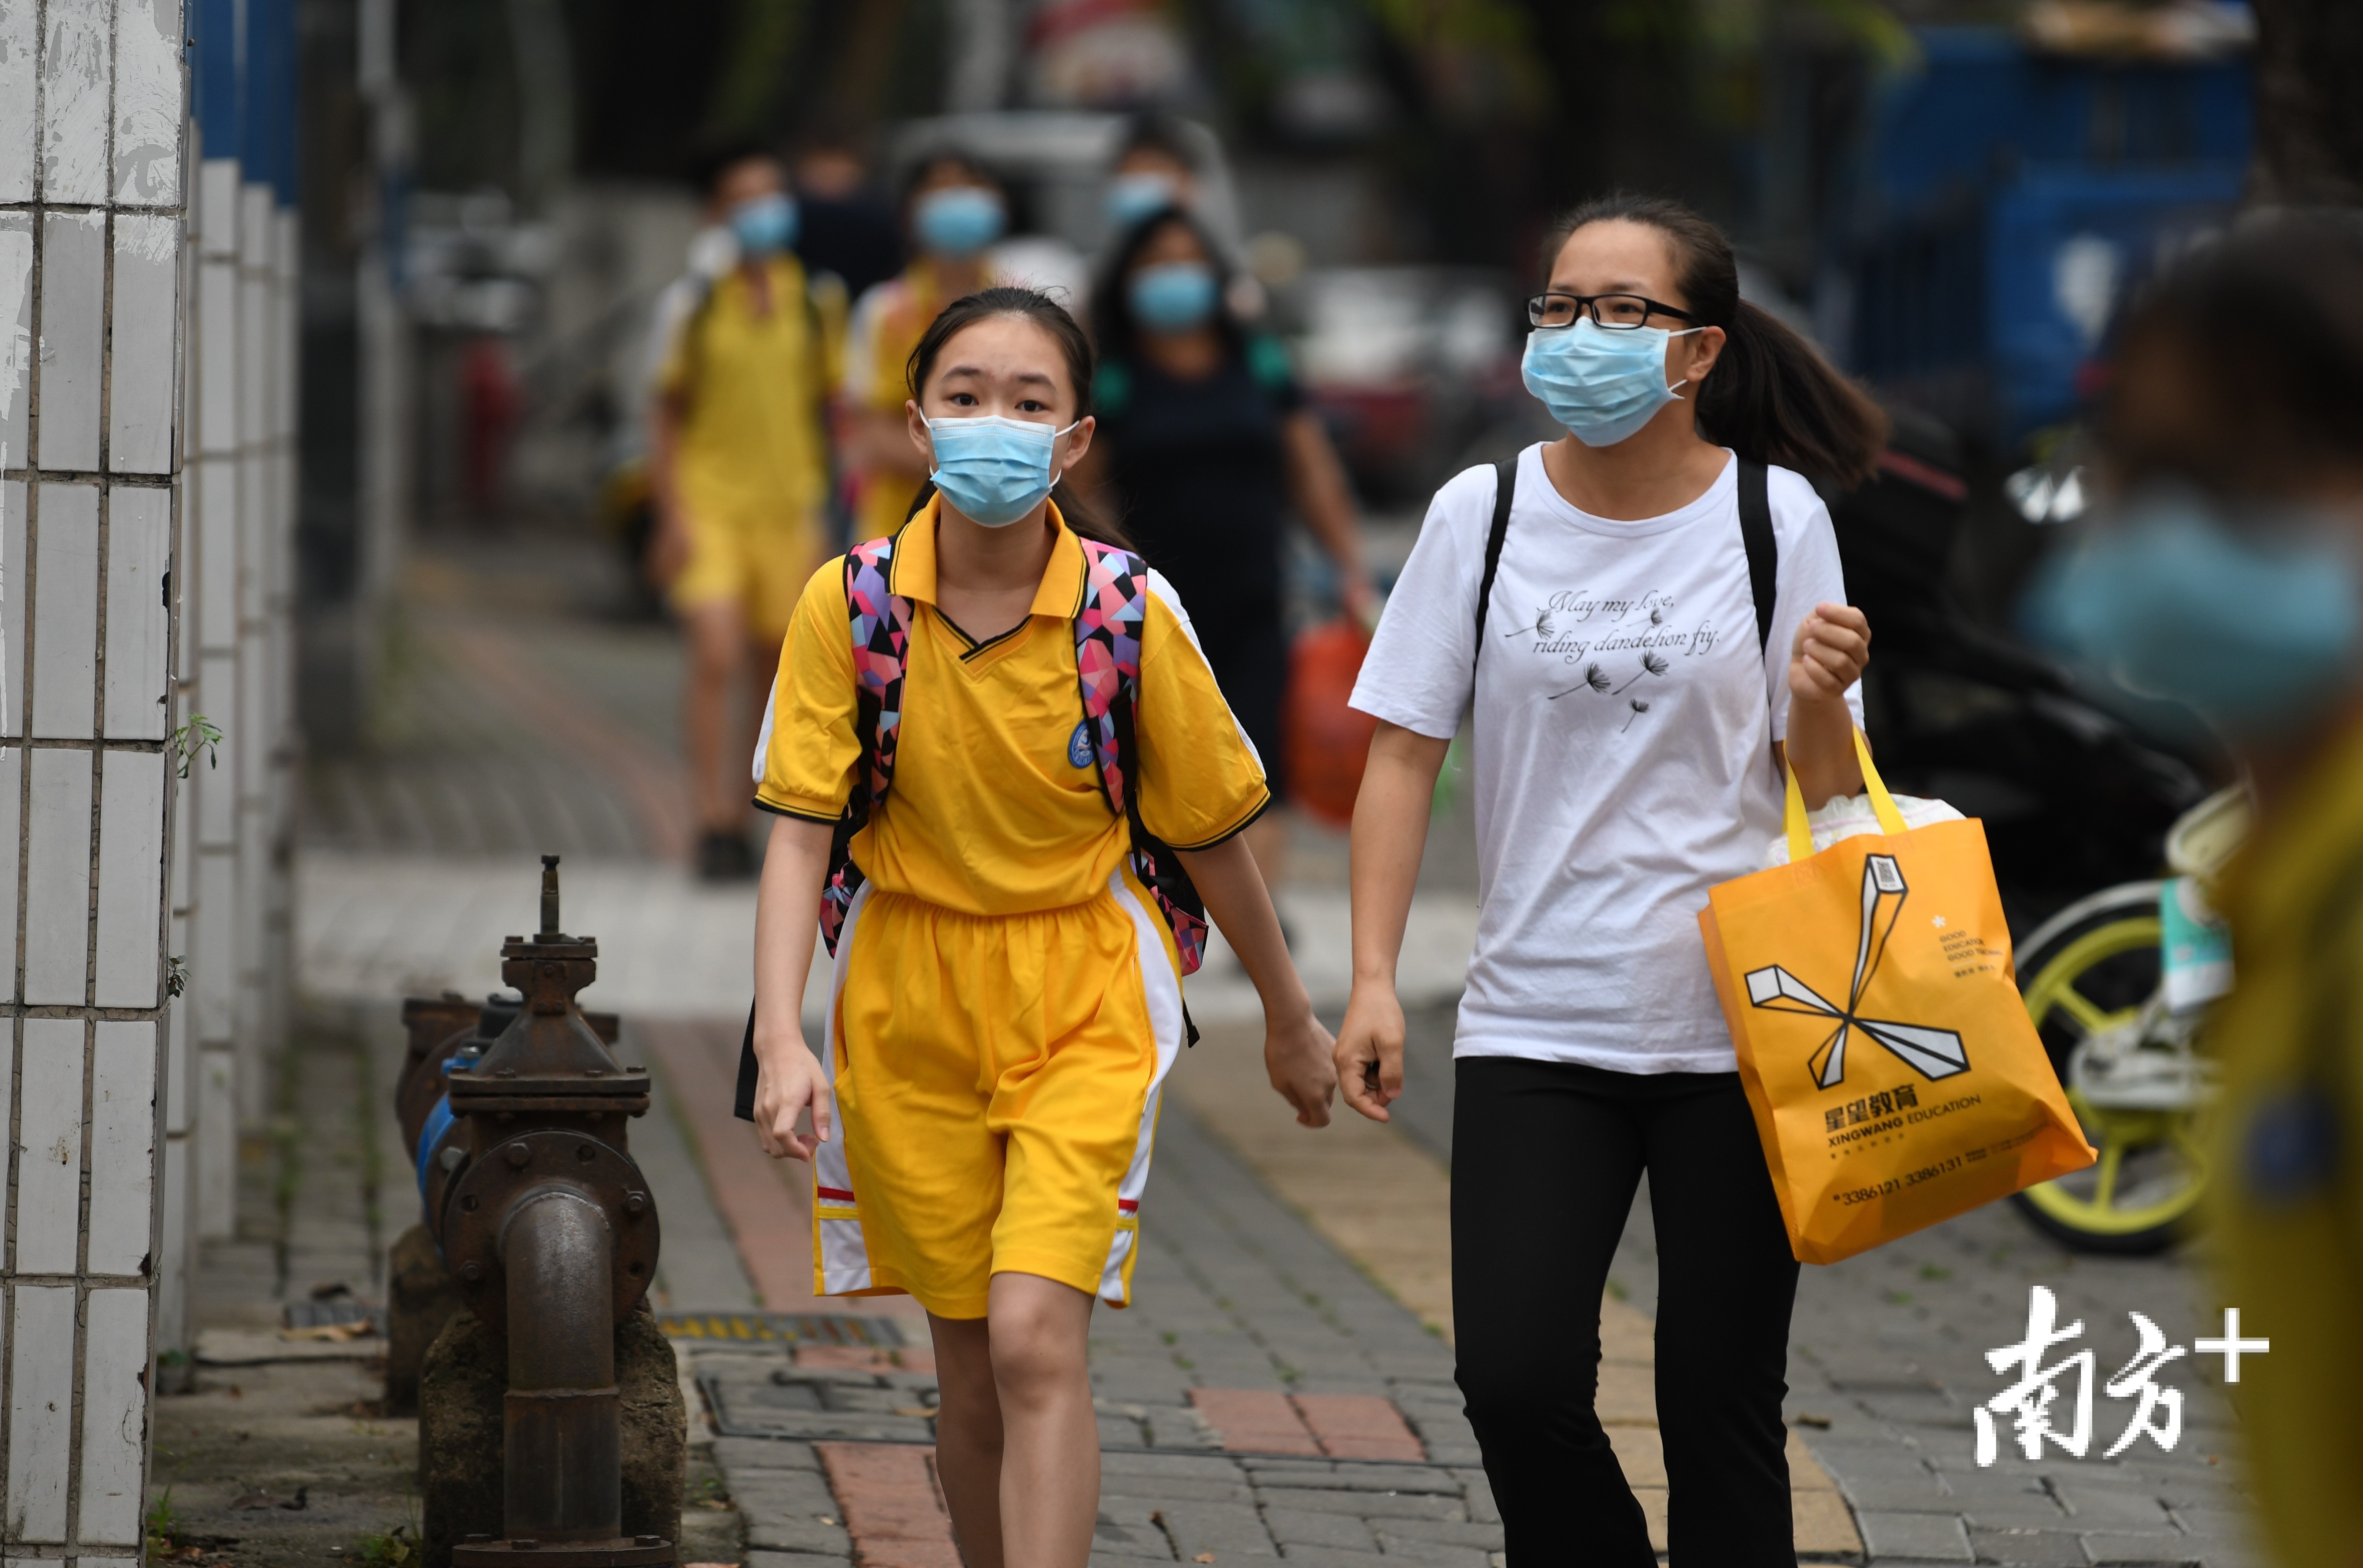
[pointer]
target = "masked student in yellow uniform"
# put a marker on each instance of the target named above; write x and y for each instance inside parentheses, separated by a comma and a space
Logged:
(954, 211)
(1007, 985)
(739, 466)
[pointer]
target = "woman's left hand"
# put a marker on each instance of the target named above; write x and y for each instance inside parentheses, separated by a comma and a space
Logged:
(1297, 1056)
(1831, 649)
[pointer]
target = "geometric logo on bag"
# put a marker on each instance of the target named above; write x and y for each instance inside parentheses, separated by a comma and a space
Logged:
(1931, 1052)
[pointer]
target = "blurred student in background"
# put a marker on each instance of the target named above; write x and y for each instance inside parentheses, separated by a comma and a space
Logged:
(2228, 572)
(847, 225)
(954, 211)
(1204, 446)
(1155, 169)
(739, 465)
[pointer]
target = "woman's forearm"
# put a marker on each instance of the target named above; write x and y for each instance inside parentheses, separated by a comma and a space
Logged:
(1316, 485)
(787, 916)
(1240, 906)
(1390, 832)
(1821, 749)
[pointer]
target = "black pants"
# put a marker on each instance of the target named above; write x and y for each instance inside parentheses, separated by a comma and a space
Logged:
(1545, 1159)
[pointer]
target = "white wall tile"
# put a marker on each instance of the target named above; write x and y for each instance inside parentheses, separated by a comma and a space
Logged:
(255, 230)
(113, 1417)
(16, 321)
(214, 588)
(184, 603)
(40, 1411)
(139, 628)
(148, 90)
(12, 811)
(140, 339)
(49, 1147)
(74, 70)
(74, 290)
(217, 209)
(130, 876)
(213, 958)
(20, 40)
(13, 599)
(65, 612)
(122, 1147)
(173, 1329)
(214, 773)
(217, 350)
(216, 1156)
(180, 1047)
(57, 879)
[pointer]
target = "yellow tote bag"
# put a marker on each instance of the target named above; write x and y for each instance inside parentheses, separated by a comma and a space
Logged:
(1896, 1078)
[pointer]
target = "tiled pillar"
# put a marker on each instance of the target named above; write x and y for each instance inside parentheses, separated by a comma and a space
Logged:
(258, 517)
(91, 207)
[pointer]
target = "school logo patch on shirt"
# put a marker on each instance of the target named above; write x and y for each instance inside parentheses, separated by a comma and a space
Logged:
(1079, 746)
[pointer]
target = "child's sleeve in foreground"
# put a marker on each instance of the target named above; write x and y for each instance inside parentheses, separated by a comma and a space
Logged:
(806, 755)
(1200, 780)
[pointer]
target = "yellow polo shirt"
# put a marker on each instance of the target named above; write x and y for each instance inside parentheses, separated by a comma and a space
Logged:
(989, 814)
(755, 385)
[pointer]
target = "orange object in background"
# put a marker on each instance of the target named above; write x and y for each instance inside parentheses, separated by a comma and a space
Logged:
(1326, 742)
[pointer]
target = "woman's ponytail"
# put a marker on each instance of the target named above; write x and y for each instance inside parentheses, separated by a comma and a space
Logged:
(1771, 396)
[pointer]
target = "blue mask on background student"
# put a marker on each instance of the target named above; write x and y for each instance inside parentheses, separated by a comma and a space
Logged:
(764, 225)
(1131, 197)
(1172, 296)
(959, 221)
(2254, 620)
(1603, 385)
(993, 470)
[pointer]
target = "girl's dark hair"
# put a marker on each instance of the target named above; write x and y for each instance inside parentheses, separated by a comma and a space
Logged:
(1112, 324)
(1771, 398)
(2268, 324)
(943, 158)
(1030, 304)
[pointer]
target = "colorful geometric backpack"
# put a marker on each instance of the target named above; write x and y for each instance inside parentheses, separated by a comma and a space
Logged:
(1107, 668)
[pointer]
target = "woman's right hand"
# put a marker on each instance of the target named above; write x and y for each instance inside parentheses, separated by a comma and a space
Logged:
(1371, 1050)
(789, 1080)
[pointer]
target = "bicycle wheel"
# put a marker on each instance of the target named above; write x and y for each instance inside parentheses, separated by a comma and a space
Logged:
(2089, 968)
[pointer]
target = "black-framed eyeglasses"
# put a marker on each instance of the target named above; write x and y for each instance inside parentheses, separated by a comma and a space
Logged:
(1617, 312)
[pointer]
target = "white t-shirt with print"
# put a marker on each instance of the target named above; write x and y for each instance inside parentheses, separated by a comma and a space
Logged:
(1622, 762)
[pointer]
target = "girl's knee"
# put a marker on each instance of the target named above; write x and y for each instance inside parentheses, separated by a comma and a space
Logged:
(1524, 1390)
(1034, 1345)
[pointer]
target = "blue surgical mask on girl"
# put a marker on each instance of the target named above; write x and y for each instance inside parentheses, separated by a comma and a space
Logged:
(1603, 384)
(764, 225)
(993, 470)
(2253, 618)
(958, 221)
(1172, 297)
(1131, 197)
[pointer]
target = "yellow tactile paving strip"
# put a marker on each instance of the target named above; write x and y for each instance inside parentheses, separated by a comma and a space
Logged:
(1385, 1203)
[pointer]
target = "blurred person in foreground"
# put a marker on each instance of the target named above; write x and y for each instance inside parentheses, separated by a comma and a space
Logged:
(1205, 444)
(2228, 572)
(739, 465)
(954, 211)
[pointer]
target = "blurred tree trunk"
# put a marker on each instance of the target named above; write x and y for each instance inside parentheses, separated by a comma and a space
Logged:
(2309, 146)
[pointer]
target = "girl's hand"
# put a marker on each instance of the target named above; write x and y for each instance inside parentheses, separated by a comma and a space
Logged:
(1832, 644)
(1296, 1055)
(789, 1082)
(1371, 1050)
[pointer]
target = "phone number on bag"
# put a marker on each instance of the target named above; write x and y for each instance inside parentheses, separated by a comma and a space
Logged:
(1893, 1184)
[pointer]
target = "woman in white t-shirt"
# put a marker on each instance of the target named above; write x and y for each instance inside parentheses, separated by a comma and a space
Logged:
(1652, 630)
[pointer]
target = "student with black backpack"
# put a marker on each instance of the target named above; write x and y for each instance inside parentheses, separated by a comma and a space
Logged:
(1006, 778)
(1647, 623)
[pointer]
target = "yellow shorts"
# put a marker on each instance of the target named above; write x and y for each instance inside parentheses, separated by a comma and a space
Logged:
(995, 1083)
(755, 554)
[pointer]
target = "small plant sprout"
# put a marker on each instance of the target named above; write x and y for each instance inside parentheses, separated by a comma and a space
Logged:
(199, 734)
(176, 972)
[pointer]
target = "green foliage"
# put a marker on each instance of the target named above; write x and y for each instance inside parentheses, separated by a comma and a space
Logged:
(176, 972)
(199, 734)
(397, 1548)
(164, 1527)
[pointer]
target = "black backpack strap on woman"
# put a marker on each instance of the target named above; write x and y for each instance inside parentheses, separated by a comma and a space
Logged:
(1755, 536)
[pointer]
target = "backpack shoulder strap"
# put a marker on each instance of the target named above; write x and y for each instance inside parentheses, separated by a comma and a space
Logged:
(1505, 490)
(1763, 555)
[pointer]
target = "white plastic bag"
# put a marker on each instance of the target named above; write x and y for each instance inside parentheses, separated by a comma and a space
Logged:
(1849, 816)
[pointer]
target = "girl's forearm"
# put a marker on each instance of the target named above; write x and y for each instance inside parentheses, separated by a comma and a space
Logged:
(1241, 906)
(1821, 749)
(1389, 833)
(787, 916)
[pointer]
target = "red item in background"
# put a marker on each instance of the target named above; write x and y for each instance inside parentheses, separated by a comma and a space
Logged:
(1327, 741)
(489, 395)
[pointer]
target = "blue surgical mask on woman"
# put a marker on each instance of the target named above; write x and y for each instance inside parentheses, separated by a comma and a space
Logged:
(1603, 384)
(2253, 618)
(1131, 197)
(958, 221)
(1172, 296)
(764, 225)
(993, 470)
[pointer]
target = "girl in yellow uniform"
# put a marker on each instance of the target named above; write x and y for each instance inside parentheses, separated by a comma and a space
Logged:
(1006, 995)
